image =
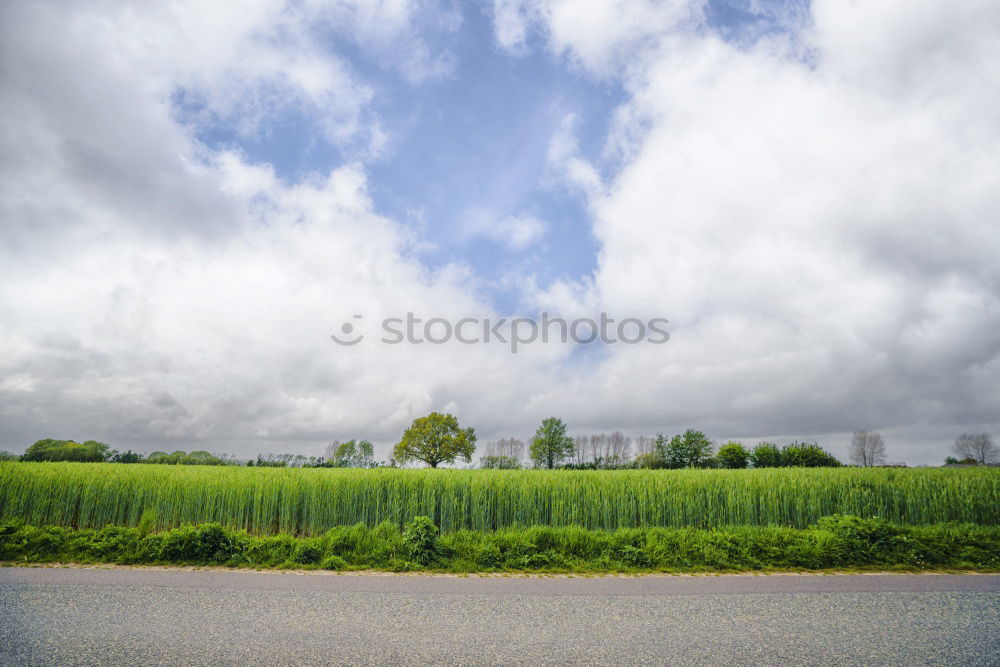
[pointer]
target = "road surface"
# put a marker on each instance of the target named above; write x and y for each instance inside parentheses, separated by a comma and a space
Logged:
(179, 617)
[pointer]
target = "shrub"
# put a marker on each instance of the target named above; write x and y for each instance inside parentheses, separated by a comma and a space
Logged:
(205, 543)
(334, 563)
(420, 538)
(308, 552)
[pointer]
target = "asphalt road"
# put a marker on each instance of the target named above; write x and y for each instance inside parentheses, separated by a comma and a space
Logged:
(175, 617)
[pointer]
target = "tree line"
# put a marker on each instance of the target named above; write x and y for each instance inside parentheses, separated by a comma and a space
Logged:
(437, 439)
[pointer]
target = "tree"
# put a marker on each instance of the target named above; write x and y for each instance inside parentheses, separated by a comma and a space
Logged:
(977, 446)
(353, 454)
(619, 449)
(598, 445)
(499, 462)
(733, 455)
(807, 455)
(124, 457)
(765, 455)
(435, 439)
(645, 444)
(67, 450)
(691, 450)
(551, 444)
(867, 448)
(503, 454)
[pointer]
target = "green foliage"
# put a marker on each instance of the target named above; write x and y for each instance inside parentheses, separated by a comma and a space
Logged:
(733, 455)
(497, 462)
(334, 563)
(354, 454)
(9, 456)
(182, 458)
(807, 455)
(308, 551)
(651, 460)
(795, 455)
(690, 450)
(765, 455)
(420, 538)
(835, 542)
(204, 543)
(435, 439)
(312, 501)
(67, 450)
(551, 444)
(124, 457)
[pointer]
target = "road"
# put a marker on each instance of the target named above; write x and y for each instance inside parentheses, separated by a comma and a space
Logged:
(79, 616)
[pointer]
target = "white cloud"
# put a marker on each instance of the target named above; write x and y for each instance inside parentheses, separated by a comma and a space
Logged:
(601, 35)
(511, 21)
(516, 232)
(822, 235)
(159, 294)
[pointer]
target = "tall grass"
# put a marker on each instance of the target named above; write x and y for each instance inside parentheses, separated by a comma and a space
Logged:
(310, 501)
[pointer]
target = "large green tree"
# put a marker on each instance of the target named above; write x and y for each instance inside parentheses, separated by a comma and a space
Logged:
(693, 449)
(766, 455)
(733, 455)
(436, 439)
(551, 444)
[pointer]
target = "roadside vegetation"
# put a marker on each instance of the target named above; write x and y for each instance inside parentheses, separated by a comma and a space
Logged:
(836, 542)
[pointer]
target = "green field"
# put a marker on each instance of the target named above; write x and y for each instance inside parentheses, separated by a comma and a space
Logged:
(304, 502)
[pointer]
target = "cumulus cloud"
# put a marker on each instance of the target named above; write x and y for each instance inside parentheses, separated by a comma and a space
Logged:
(821, 233)
(814, 213)
(601, 35)
(157, 293)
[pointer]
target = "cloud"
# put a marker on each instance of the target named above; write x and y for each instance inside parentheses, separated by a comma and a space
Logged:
(819, 230)
(516, 232)
(601, 36)
(820, 233)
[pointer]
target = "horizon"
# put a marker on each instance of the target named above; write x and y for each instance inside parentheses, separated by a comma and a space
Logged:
(199, 205)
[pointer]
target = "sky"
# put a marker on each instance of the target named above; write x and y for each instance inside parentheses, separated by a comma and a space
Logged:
(195, 196)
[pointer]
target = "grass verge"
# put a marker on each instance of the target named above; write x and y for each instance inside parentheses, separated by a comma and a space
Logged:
(836, 542)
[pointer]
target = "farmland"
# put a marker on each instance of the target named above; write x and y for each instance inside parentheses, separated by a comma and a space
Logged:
(309, 502)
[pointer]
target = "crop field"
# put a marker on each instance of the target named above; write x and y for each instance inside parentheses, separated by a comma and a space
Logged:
(266, 501)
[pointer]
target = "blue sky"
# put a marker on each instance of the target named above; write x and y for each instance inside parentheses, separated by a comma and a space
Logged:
(472, 142)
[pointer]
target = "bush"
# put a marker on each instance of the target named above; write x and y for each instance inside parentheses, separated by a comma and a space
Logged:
(650, 460)
(308, 552)
(420, 538)
(207, 543)
(795, 455)
(334, 563)
(868, 541)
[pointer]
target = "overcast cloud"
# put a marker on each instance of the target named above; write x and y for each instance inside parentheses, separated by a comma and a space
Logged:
(810, 194)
